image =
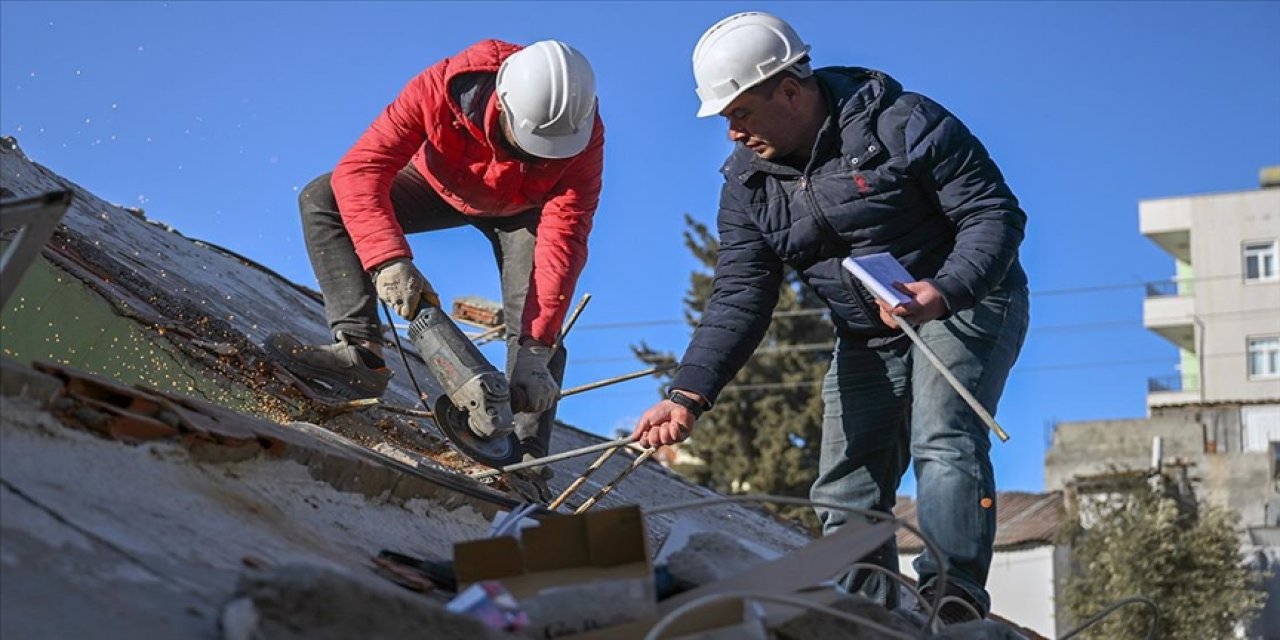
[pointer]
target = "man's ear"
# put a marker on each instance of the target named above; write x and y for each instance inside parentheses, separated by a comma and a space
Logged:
(790, 88)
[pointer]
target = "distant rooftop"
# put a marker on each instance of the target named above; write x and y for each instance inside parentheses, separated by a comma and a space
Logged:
(1023, 520)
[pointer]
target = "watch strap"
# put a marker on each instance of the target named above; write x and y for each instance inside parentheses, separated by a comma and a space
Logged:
(693, 405)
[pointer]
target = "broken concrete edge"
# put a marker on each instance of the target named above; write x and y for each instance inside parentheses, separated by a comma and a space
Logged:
(213, 434)
(308, 601)
(118, 285)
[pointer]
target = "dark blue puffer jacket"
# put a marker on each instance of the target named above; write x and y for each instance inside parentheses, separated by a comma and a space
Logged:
(891, 171)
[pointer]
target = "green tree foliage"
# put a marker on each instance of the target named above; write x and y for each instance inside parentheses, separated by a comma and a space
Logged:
(1182, 554)
(764, 433)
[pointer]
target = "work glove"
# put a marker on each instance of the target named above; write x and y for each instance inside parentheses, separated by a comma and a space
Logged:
(533, 389)
(402, 286)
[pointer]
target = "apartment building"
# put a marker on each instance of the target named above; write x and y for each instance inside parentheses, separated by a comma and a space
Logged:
(1218, 410)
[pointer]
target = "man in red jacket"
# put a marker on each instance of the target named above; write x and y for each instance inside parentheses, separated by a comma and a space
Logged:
(499, 137)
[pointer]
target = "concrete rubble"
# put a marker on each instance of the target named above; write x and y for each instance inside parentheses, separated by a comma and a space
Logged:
(314, 602)
(709, 556)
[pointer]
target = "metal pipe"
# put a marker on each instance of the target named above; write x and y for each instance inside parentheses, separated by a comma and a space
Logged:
(604, 491)
(416, 413)
(552, 458)
(487, 334)
(590, 386)
(615, 380)
(951, 378)
(573, 318)
(582, 479)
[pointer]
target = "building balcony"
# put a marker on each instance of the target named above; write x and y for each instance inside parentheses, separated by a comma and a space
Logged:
(1168, 223)
(1170, 315)
(1173, 390)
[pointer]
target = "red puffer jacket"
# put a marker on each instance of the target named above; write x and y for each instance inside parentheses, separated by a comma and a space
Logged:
(471, 170)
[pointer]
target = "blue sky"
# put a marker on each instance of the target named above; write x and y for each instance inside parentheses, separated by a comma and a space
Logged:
(212, 115)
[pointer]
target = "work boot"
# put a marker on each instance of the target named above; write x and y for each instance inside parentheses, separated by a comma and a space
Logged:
(952, 612)
(531, 483)
(341, 370)
(534, 449)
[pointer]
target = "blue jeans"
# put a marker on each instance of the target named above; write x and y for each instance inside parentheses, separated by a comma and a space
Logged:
(886, 406)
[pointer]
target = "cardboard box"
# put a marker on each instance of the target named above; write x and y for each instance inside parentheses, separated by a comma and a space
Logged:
(570, 573)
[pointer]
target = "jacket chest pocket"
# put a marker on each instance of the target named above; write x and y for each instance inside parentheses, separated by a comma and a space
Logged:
(873, 204)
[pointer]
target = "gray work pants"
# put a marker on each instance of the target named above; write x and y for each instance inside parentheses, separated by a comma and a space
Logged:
(350, 301)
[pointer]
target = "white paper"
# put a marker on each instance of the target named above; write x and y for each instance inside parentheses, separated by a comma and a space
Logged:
(877, 272)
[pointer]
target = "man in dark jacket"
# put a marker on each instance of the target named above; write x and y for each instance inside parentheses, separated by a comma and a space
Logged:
(837, 162)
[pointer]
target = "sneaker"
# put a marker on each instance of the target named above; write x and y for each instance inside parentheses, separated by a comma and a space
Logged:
(341, 370)
(957, 606)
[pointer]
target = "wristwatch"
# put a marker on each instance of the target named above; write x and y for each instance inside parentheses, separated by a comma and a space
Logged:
(694, 406)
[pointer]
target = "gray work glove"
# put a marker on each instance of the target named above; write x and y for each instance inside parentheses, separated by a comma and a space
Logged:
(402, 286)
(533, 388)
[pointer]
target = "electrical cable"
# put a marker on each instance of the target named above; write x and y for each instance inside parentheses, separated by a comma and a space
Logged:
(940, 581)
(902, 580)
(403, 358)
(1151, 627)
(655, 632)
(894, 575)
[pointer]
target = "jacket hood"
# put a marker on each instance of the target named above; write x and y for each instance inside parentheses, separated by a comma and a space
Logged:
(484, 57)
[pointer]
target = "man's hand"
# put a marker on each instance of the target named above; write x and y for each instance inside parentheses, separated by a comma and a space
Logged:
(533, 388)
(402, 286)
(926, 304)
(665, 423)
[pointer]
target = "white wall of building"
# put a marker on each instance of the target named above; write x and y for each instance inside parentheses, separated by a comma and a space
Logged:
(1231, 309)
(1020, 584)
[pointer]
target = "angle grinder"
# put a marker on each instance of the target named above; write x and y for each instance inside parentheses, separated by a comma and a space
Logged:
(475, 410)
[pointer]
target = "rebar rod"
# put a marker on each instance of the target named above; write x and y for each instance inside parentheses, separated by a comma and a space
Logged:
(573, 318)
(951, 378)
(604, 491)
(565, 455)
(582, 479)
(591, 386)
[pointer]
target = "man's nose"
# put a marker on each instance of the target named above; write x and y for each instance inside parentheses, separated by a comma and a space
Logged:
(737, 135)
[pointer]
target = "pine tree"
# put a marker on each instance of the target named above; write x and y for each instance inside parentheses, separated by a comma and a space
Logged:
(763, 435)
(1167, 546)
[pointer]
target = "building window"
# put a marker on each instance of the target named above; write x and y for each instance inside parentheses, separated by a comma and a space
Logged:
(1260, 261)
(1264, 357)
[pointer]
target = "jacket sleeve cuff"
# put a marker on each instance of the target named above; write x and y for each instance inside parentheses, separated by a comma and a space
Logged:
(956, 295)
(703, 382)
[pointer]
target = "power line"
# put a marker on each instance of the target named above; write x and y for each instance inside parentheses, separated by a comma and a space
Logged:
(799, 384)
(823, 311)
(1057, 367)
(1106, 325)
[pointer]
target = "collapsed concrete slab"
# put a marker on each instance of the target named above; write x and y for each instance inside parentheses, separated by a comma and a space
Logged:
(316, 602)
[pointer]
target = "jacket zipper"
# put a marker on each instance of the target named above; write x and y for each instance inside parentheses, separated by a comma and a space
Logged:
(854, 288)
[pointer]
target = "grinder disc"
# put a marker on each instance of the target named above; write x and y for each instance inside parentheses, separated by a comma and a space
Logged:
(496, 452)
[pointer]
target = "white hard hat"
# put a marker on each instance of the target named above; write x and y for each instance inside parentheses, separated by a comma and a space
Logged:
(740, 52)
(548, 95)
